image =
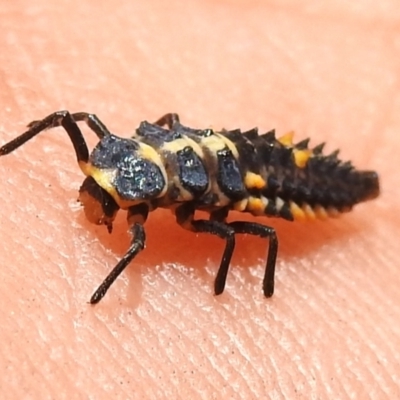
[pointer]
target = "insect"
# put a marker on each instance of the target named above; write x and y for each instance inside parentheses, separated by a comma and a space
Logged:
(168, 165)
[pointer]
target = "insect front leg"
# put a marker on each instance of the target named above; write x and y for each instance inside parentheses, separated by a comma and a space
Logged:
(92, 121)
(137, 215)
(185, 218)
(59, 118)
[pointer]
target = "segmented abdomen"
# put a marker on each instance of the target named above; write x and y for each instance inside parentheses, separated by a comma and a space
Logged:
(295, 182)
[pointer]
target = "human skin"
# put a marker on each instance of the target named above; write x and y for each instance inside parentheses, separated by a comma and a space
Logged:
(332, 329)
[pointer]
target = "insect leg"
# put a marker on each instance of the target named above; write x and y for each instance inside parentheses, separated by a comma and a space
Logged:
(58, 118)
(184, 216)
(169, 119)
(263, 231)
(91, 120)
(136, 216)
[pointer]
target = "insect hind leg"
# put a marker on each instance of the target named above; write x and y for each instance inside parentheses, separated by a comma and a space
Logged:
(185, 215)
(263, 231)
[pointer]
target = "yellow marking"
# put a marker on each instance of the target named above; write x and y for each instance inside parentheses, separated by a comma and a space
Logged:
(287, 139)
(147, 152)
(229, 144)
(320, 212)
(240, 205)
(180, 144)
(256, 205)
(252, 180)
(297, 212)
(219, 142)
(308, 211)
(104, 178)
(175, 145)
(213, 143)
(333, 212)
(301, 157)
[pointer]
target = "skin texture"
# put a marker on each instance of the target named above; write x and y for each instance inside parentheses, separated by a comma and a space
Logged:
(327, 70)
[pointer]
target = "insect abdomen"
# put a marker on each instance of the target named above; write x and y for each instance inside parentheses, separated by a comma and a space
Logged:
(298, 182)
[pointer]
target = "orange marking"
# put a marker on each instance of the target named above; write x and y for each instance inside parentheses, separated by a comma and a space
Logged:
(252, 180)
(308, 211)
(255, 204)
(287, 139)
(297, 212)
(301, 157)
(320, 212)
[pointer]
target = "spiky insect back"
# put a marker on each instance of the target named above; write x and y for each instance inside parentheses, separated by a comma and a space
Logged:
(230, 170)
(301, 182)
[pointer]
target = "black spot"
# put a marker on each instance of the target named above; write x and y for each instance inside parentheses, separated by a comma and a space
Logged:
(229, 177)
(111, 150)
(138, 179)
(192, 173)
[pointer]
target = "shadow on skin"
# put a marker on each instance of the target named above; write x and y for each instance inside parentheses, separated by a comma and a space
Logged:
(168, 243)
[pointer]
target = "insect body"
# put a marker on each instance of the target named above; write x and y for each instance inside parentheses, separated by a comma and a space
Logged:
(168, 165)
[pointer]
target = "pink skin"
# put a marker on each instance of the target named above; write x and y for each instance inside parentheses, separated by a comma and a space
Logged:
(332, 330)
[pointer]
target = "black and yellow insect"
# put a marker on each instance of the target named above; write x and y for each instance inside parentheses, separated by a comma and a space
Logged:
(186, 169)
